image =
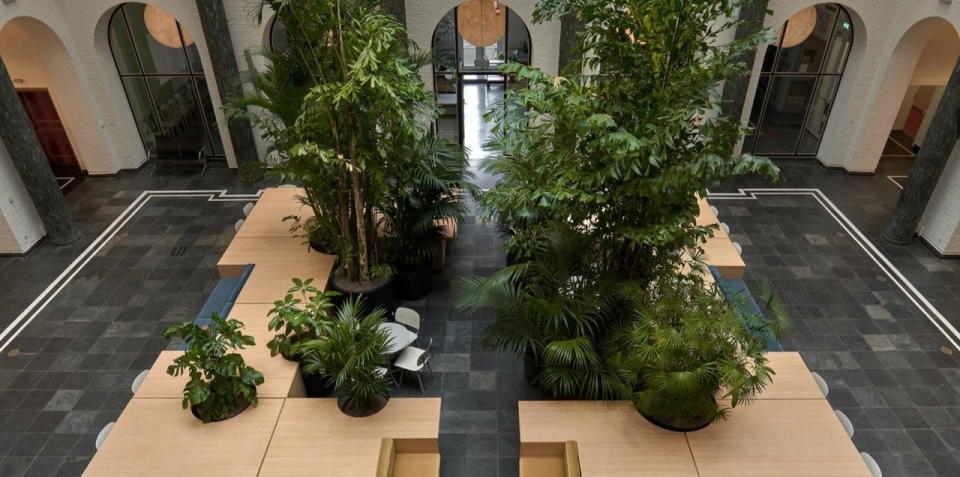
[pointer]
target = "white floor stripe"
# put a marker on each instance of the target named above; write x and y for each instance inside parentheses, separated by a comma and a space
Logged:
(889, 269)
(38, 304)
(895, 181)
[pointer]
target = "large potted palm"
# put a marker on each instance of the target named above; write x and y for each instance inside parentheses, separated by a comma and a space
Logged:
(352, 356)
(221, 385)
(427, 194)
(687, 355)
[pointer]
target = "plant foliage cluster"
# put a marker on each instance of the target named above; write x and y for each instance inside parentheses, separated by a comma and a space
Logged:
(298, 319)
(601, 169)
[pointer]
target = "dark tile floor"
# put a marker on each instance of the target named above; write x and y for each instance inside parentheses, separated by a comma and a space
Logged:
(70, 370)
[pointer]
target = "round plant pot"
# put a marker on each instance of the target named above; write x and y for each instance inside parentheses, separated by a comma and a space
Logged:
(316, 385)
(240, 407)
(413, 286)
(376, 293)
(693, 424)
(370, 409)
(530, 369)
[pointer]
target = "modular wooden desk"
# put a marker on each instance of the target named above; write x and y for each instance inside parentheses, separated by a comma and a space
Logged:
(792, 379)
(266, 251)
(253, 315)
(313, 435)
(156, 437)
(281, 378)
(266, 218)
(771, 438)
(613, 439)
(707, 217)
(270, 282)
(720, 253)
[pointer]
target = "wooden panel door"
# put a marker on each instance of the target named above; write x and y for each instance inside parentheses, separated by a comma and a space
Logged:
(50, 131)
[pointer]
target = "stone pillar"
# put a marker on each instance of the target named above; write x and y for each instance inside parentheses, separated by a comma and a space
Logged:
(570, 26)
(31, 162)
(752, 14)
(217, 33)
(928, 166)
(397, 8)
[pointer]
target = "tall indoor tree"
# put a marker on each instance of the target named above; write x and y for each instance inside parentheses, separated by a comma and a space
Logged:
(618, 150)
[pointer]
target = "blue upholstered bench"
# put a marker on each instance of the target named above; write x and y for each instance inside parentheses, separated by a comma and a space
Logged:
(222, 298)
(737, 293)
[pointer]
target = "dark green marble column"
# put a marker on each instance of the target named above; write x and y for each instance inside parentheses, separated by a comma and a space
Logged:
(31, 162)
(570, 25)
(939, 142)
(397, 8)
(223, 56)
(752, 14)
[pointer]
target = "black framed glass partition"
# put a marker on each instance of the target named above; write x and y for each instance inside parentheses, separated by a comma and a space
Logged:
(469, 44)
(162, 76)
(799, 79)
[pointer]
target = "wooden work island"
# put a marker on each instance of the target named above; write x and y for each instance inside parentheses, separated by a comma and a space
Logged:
(789, 430)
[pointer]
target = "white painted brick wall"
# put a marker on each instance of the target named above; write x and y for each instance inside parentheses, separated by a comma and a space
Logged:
(20, 226)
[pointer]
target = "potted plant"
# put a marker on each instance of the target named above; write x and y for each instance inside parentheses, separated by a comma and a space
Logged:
(221, 385)
(426, 194)
(351, 356)
(300, 318)
(365, 105)
(687, 354)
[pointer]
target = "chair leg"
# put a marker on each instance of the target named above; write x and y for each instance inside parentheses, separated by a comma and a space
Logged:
(420, 380)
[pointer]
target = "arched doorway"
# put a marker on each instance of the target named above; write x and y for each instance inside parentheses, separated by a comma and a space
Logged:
(799, 79)
(160, 68)
(469, 44)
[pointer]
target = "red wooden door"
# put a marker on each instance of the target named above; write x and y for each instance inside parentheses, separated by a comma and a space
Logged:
(50, 131)
(914, 120)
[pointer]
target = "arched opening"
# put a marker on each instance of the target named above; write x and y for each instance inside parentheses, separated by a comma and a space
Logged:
(46, 82)
(162, 75)
(921, 94)
(469, 44)
(799, 79)
(277, 35)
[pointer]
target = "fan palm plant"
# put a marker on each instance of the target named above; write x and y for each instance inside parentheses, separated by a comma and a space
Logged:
(348, 356)
(553, 310)
(687, 355)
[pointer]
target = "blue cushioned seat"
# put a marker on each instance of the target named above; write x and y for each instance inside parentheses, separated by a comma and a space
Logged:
(737, 293)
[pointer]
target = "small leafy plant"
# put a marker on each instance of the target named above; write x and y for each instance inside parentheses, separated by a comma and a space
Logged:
(349, 355)
(220, 382)
(299, 319)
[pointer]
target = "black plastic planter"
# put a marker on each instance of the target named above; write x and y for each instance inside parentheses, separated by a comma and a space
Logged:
(316, 385)
(381, 294)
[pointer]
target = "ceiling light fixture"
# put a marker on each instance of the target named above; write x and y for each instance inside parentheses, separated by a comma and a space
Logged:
(799, 27)
(163, 28)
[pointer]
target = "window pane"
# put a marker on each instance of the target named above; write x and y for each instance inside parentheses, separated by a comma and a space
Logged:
(278, 35)
(448, 124)
(819, 114)
(788, 102)
(518, 38)
(216, 146)
(769, 57)
(762, 86)
(139, 99)
(839, 45)
(445, 44)
(160, 47)
(805, 39)
(176, 104)
(192, 53)
(123, 50)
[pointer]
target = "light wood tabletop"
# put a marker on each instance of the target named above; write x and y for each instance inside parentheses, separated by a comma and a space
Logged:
(707, 217)
(156, 437)
(770, 438)
(792, 379)
(313, 434)
(613, 438)
(252, 315)
(266, 218)
(263, 250)
(281, 378)
(270, 282)
(720, 253)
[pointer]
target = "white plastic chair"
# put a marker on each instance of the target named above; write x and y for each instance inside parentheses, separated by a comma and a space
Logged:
(410, 319)
(288, 186)
(725, 228)
(738, 247)
(137, 381)
(714, 209)
(845, 422)
(238, 225)
(414, 359)
(871, 464)
(247, 208)
(102, 436)
(821, 383)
